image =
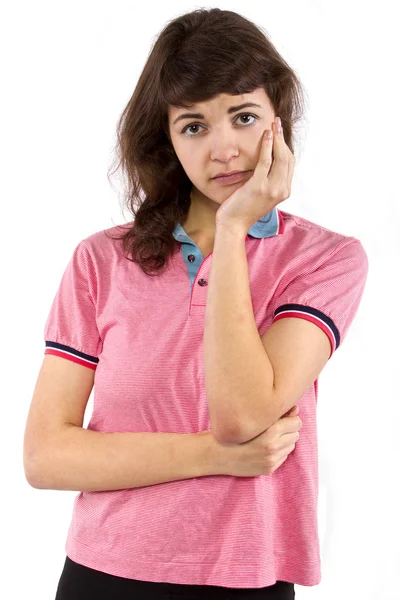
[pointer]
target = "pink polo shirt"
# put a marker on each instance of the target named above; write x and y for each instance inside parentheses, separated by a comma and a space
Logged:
(144, 337)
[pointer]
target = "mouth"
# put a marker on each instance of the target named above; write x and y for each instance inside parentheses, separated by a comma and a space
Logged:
(231, 178)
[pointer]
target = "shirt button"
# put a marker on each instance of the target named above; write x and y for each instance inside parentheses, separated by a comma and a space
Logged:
(202, 282)
(191, 258)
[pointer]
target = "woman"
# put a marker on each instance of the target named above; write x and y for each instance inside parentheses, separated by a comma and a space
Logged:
(175, 500)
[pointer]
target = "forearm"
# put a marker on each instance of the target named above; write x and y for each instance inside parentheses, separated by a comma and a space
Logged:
(85, 460)
(238, 372)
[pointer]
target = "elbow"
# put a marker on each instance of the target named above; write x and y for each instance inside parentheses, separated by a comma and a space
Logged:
(37, 482)
(240, 430)
(30, 475)
(225, 431)
(225, 435)
(239, 437)
(234, 435)
(33, 475)
(243, 433)
(32, 483)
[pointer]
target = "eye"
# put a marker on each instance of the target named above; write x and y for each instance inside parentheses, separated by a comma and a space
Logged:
(199, 124)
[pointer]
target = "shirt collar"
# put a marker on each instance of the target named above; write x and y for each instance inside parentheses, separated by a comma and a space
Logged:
(269, 225)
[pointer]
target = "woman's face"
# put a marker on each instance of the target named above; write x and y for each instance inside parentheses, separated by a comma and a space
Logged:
(213, 140)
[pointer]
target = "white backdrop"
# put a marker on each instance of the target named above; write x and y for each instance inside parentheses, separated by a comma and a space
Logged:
(68, 69)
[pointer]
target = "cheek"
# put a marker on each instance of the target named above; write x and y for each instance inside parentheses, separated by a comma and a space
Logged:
(191, 161)
(184, 155)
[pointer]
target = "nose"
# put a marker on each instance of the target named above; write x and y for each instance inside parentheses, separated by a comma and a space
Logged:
(224, 148)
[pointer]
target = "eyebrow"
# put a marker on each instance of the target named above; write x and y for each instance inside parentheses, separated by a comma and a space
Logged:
(230, 110)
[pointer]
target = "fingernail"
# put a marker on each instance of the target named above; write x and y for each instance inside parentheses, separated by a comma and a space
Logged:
(278, 125)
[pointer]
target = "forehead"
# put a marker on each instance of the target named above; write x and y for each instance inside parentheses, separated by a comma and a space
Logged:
(223, 102)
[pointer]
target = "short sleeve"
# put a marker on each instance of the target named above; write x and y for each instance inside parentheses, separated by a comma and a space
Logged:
(71, 330)
(330, 295)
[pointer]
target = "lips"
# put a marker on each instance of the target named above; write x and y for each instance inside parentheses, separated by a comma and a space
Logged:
(228, 174)
(230, 179)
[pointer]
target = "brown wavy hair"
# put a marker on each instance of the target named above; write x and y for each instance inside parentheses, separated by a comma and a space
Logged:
(197, 56)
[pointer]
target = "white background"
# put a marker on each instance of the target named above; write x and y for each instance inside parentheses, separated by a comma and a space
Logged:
(67, 71)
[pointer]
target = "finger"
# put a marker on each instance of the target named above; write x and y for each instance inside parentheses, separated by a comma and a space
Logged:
(290, 424)
(264, 160)
(291, 165)
(288, 155)
(290, 175)
(278, 176)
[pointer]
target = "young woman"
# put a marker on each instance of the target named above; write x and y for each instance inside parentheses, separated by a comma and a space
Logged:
(202, 327)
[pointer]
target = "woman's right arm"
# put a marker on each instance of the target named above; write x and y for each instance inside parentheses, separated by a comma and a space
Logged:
(59, 454)
(85, 460)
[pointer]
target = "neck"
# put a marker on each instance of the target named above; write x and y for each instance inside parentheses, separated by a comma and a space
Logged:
(200, 221)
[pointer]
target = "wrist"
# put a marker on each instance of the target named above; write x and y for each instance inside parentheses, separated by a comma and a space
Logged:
(238, 230)
(215, 456)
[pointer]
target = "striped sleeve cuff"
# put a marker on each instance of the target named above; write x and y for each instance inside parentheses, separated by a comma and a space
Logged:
(71, 354)
(315, 316)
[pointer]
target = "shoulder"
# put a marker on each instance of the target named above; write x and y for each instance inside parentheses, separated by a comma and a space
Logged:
(307, 238)
(302, 225)
(105, 241)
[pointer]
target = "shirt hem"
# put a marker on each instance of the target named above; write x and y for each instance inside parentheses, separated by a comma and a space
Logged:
(108, 561)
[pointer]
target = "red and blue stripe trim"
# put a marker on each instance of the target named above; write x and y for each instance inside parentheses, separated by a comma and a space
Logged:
(315, 316)
(71, 354)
